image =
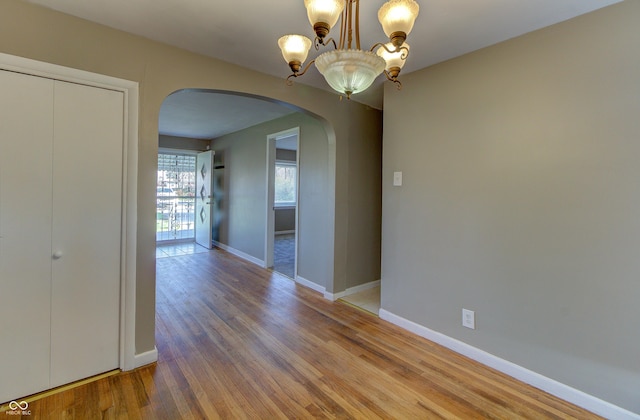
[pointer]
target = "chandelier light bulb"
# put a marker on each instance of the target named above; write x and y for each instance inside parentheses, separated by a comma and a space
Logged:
(323, 14)
(396, 58)
(295, 48)
(397, 18)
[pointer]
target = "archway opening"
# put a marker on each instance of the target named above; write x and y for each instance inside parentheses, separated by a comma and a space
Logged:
(234, 127)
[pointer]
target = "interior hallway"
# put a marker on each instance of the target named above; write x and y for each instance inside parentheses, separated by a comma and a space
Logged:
(284, 254)
(239, 341)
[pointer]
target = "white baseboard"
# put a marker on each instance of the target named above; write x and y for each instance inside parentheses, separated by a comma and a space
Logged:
(146, 358)
(332, 296)
(567, 393)
(310, 284)
(361, 287)
(239, 253)
(335, 296)
(351, 290)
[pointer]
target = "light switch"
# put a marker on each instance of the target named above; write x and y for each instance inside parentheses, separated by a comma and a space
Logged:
(397, 179)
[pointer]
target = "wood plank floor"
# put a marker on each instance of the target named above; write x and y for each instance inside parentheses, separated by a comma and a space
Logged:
(239, 342)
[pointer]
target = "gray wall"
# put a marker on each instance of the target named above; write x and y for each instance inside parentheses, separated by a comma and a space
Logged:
(285, 220)
(284, 154)
(184, 143)
(244, 171)
(363, 184)
(521, 201)
(41, 34)
(245, 154)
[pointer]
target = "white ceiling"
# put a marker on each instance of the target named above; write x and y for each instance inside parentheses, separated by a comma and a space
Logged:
(205, 115)
(245, 32)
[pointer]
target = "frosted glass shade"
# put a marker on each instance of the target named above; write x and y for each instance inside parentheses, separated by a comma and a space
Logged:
(398, 16)
(325, 11)
(394, 59)
(295, 48)
(350, 71)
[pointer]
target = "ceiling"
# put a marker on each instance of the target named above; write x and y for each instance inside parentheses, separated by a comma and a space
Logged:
(245, 32)
(202, 114)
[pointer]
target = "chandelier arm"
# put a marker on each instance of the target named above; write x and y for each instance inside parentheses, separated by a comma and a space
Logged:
(350, 24)
(404, 55)
(380, 44)
(343, 28)
(289, 82)
(324, 42)
(393, 79)
(357, 2)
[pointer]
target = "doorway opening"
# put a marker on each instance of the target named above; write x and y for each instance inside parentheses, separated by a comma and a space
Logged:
(282, 204)
(209, 119)
(175, 197)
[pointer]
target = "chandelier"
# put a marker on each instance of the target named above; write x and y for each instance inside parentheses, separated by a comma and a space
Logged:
(350, 70)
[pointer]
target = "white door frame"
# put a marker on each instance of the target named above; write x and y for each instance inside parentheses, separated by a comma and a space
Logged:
(270, 212)
(128, 358)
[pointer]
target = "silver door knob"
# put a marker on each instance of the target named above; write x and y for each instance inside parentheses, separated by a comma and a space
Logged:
(57, 255)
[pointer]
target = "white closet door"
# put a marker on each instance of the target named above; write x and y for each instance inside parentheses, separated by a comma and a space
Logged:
(87, 207)
(26, 121)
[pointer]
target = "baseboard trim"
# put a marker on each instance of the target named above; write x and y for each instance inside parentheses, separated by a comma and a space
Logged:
(284, 232)
(560, 390)
(146, 358)
(310, 284)
(239, 254)
(332, 296)
(351, 290)
(361, 288)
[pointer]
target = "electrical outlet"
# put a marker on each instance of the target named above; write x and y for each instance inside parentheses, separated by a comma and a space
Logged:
(468, 319)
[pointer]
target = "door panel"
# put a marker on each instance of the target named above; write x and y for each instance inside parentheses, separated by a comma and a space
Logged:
(26, 121)
(87, 207)
(204, 198)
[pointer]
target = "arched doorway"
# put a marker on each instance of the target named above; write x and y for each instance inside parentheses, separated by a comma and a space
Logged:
(235, 127)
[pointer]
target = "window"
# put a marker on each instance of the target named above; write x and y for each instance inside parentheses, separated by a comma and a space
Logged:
(286, 186)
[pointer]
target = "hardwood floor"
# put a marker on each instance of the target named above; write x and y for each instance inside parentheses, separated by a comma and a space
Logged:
(236, 341)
